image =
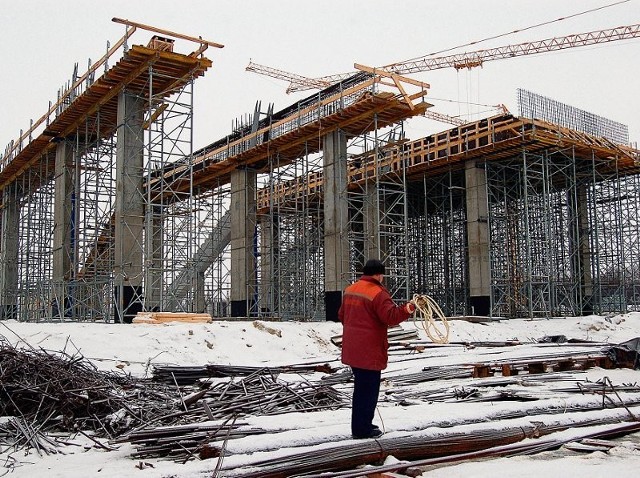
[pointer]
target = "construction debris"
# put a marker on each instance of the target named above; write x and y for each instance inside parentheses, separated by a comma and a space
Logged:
(213, 411)
(47, 392)
(61, 392)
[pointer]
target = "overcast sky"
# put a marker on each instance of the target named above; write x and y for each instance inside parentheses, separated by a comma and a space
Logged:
(42, 40)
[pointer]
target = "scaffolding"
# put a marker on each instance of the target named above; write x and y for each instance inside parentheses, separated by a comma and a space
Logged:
(83, 215)
(109, 210)
(290, 232)
(437, 240)
(377, 205)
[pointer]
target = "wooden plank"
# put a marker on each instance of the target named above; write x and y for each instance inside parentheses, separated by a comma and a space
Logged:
(163, 317)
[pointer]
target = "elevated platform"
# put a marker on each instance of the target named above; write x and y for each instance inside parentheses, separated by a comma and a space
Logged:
(491, 139)
(170, 71)
(351, 110)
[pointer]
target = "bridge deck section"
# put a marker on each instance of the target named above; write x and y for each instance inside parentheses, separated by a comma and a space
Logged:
(134, 71)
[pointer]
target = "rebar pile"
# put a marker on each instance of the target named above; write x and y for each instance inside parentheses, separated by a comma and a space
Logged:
(258, 394)
(414, 447)
(184, 441)
(18, 434)
(264, 395)
(60, 391)
(44, 393)
(187, 375)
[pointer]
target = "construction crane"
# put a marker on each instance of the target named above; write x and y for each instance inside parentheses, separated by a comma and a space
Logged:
(320, 83)
(464, 60)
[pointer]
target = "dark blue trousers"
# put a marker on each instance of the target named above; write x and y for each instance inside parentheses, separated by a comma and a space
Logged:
(366, 387)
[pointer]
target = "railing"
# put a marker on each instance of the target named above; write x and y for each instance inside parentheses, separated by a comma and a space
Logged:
(76, 88)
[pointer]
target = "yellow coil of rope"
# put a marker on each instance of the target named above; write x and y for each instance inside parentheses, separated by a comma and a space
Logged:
(429, 312)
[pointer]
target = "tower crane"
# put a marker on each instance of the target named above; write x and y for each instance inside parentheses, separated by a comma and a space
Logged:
(321, 83)
(462, 60)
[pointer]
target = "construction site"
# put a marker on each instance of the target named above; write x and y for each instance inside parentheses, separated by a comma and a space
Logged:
(109, 210)
(512, 236)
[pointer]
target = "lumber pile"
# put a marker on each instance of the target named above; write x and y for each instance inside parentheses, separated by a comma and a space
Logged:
(162, 317)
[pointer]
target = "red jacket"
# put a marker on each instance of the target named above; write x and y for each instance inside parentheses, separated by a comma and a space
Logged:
(366, 312)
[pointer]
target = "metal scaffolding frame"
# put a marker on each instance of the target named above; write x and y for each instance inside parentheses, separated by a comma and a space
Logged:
(377, 205)
(564, 230)
(34, 229)
(290, 235)
(437, 240)
(562, 212)
(172, 236)
(86, 293)
(564, 236)
(90, 287)
(215, 224)
(615, 242)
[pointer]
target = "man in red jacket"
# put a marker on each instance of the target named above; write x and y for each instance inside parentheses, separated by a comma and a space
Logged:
(366, 312)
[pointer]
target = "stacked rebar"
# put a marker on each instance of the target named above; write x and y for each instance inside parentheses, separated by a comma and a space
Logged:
(62, 391)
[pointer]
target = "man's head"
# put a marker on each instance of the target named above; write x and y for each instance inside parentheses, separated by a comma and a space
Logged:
(373, 267)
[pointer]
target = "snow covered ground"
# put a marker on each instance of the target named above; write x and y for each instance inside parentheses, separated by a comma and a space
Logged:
(136, 348)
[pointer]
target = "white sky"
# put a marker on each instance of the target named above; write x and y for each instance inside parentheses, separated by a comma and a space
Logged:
(41, 41)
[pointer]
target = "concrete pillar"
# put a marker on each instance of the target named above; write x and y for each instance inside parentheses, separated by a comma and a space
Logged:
(336, 241)
(9, 243)
(243, 260)
(129, 208)
(583, 265)
(478, 239)
(199, 299)
(63, 232)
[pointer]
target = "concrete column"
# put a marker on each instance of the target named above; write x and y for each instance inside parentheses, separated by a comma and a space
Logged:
(478, 239)
(336, 241)
(243, 260)
(583, 266)
(129, 208)
(9, 242)
(199, 299)
(63, 212)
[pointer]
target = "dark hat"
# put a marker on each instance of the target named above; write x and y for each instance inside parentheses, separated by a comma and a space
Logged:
(373, 267)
